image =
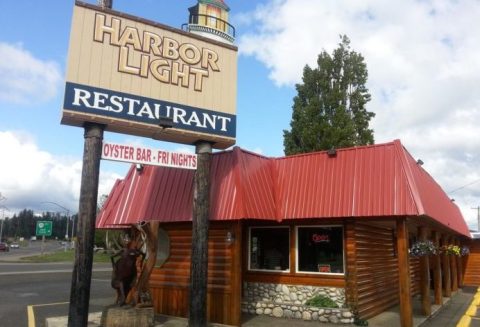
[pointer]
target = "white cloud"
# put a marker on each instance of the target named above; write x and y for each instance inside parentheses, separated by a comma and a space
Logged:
(424, 72)
(24, 78)
(29, 176)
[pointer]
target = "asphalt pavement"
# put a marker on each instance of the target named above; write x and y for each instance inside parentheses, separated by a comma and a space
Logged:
(32, 292)
(449, 315)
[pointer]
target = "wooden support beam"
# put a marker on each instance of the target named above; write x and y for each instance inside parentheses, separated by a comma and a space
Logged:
(199, 260)
(405, 295)
(236, 273)
(437, 271)
(453, 268)
(460, 267)
(424, 276)
(447, 289)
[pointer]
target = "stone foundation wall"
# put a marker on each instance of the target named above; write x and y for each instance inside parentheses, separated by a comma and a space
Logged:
(288, 301)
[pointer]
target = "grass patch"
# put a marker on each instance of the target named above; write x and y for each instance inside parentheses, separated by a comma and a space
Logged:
(321, 301)
(64, 256)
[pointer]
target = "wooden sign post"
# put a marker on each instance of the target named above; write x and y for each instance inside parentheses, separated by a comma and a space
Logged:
(82, 270)
(199, 259)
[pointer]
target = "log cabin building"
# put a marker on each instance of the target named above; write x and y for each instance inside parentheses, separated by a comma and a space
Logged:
(282, 230)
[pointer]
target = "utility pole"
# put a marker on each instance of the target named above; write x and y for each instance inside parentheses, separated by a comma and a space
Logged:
(478, 217)
(3, 215)
(3, 208)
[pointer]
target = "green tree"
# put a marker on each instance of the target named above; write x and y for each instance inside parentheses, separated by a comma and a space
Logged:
(329, 108)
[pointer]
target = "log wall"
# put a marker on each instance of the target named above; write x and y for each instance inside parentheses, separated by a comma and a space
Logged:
(374, 269)
(169, 283)
(471, 264)
(414, 275)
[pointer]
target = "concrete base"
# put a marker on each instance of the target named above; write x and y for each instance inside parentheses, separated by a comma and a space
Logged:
(128, 316)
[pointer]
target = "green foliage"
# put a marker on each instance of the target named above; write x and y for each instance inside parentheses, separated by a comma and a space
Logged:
(24, 224)
(357, 321)
(100, 236)
(321, 301)
(360, 322)
(329, 108)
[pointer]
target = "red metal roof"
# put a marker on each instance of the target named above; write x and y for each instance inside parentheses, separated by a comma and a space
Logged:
(370, 181)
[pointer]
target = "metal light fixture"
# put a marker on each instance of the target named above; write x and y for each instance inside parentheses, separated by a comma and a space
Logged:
(419, 162)
(165, 122)
(139, 167)
(332, 153)
(230, 237)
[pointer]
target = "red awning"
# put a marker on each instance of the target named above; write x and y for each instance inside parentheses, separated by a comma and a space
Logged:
(370, 181)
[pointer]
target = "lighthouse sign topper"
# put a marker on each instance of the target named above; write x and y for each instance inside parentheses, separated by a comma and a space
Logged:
(142, 78)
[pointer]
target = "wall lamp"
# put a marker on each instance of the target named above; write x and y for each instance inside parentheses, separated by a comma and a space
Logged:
(165, 122)
(139, 167)
(332, 153)
(230, 238)
(419, 162)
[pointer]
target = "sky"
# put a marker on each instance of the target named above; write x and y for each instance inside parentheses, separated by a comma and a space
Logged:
(422, 59)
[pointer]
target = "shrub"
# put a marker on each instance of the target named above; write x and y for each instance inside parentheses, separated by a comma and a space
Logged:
(321, 301)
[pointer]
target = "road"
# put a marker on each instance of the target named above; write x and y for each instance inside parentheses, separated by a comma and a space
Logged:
(45, 290)
(31, 248)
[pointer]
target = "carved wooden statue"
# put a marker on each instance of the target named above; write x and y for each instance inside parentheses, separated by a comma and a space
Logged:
(131, 285)
(124, 272)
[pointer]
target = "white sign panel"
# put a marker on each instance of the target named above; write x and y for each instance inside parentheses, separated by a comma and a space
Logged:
(148, 156)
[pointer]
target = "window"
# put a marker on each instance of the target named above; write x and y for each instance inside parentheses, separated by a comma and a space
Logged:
(213, 14)
(269, 248)
(163, 248)
(320, 249)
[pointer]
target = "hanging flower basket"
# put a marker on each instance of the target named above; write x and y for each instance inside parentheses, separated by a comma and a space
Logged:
(451, 249)
(464, 251)
(423, 248)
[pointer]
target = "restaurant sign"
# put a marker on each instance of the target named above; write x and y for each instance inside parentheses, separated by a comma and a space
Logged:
(130, 74)
(148, 156)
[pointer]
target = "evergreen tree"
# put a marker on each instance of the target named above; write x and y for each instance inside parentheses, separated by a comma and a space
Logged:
(329, 108)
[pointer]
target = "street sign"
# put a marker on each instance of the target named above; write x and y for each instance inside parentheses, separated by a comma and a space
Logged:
(44, 228)
(148, 156)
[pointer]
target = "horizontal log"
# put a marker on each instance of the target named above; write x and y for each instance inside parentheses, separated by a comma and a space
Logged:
(374, 309)
(295, 279)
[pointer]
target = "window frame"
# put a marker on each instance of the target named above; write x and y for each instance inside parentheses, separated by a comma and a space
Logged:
(286, 271)
(297, 258)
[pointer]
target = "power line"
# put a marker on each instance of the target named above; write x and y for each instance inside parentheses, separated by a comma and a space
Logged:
(463, 186)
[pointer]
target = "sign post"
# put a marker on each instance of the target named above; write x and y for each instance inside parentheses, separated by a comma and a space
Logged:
(200, 223)
(82, 270)
(44, 228)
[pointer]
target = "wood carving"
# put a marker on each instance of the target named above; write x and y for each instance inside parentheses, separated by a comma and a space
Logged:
(144, 239)
(124, 271)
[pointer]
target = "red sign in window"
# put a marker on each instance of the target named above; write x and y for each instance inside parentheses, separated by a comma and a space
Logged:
(318, 238)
